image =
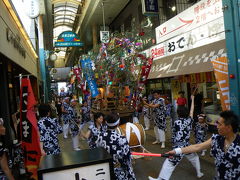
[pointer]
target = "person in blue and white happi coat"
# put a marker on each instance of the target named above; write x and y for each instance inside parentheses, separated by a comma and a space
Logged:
(200, 131)
(65, 107)
(225, 147)
(86, 112)
(116, 145)
(146, 116)
(74, 124)
(181, 136)
(49, 129)
(101, 125)
(159, 107)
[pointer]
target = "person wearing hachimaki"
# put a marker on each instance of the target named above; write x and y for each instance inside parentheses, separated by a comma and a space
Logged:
(116, 145)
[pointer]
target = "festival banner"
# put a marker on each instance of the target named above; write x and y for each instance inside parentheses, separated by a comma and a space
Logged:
(220, 66)
(145, 71)
(89, 75)
(77, 72)
(28, 127)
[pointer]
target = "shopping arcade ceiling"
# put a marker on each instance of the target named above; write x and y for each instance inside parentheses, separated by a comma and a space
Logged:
(65, 13)
(79, 15)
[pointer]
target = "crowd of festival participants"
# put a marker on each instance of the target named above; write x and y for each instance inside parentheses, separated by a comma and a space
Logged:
(68, 117)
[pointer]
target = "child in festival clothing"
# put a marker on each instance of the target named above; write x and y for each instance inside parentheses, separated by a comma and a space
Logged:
(200, 131)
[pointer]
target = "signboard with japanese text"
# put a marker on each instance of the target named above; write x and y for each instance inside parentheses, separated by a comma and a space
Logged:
(205, 34)
(68, 39)
(197, 15)
(96, 171)
(149, 7)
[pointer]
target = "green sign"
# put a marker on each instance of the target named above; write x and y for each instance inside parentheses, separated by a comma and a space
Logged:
(68, 39)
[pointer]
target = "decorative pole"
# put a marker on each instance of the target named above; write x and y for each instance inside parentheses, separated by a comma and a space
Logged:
(231, 10)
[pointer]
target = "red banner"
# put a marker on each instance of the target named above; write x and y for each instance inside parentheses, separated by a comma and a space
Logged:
(28, 125)
(145, 71)
(77, 72)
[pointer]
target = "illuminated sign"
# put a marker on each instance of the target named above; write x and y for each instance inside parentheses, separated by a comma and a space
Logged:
(68, 39)
(149, 7)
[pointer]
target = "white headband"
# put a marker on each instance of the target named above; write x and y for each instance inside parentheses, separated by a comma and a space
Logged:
(113, 124)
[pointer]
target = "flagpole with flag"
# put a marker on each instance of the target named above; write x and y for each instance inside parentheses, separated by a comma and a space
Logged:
(28, 128)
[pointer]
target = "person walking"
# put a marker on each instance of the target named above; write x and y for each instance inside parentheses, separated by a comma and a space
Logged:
(100, 124)
(49, 129)
(159, 118)
(116, 145)
(225, 147)
(181, 136)
(146, 116)
(73, 124)
(65, 107)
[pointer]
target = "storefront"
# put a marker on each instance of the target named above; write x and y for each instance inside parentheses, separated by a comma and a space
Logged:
(17, 56)
(188, 45)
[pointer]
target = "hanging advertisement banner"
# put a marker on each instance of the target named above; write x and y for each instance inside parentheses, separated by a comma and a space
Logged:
(68, 39)
(89, 75)
(220, 66)
(197, 15)
(205, 34)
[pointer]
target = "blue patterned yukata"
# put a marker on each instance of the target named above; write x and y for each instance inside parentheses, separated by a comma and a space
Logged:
(160, 114)
(118, 147)
(49, 129)
(200, 132)
(65, 115)
(73, 120)
(227, 163)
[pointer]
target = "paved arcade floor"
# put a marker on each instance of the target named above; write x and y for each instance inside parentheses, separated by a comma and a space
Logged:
(143, 168)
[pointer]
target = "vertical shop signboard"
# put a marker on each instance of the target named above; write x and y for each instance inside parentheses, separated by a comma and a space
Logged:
(220, 66)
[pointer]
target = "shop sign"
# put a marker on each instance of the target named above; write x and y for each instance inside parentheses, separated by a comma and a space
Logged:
(32, 8)
(197, 15)
(68, 39)
(205, 34)
(104, 36)
(15, 41)
(149, 7)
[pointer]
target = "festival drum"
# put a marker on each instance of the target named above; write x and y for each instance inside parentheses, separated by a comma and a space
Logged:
(134, 133)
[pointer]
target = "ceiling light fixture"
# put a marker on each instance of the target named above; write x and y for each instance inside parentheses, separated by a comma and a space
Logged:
(173, 8)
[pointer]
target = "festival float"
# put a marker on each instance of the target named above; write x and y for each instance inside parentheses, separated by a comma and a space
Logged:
(116, 78)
